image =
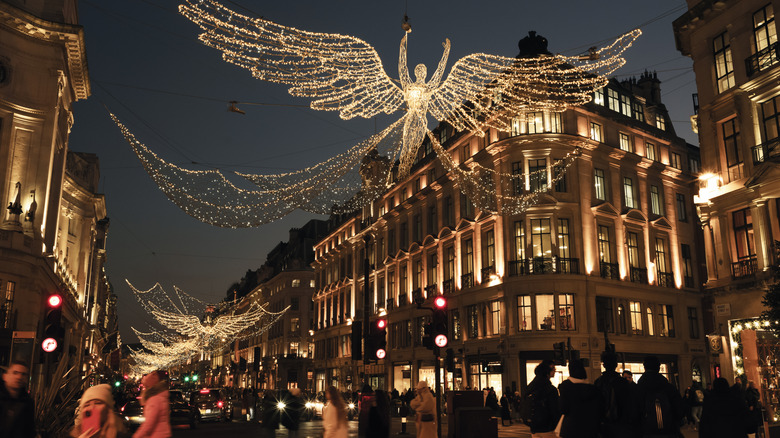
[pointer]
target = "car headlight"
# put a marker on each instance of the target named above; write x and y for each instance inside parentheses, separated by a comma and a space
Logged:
(309, 405)
(280, 405)
(352, 406)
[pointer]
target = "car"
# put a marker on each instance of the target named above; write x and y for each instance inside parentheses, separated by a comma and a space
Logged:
(313, 408)
(212, 404)
(182, 413)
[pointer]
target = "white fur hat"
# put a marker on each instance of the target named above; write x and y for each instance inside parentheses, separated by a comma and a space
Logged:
(98, 392)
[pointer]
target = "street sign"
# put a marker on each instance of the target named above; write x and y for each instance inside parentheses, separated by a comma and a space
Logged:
(49, 345)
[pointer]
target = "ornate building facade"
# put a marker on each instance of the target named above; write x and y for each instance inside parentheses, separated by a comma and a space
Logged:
(53, 231)
(736, 59)
(607, 250)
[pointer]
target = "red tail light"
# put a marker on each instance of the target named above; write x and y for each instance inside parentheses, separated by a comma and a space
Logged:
(220, 404)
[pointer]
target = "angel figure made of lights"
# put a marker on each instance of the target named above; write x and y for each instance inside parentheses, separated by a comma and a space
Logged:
(345, 74)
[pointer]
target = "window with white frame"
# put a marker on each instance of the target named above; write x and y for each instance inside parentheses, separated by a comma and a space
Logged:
(613, 100)
(524, 318)
(625, 142)
(724, 68)
(496, 322)
(650, 151)
(666, 320)
(535, 122)
(566, 311)
(635, 308)
(656, 206)
(650, 325)
(598, 97)
(600, 182)
(628, 192)
(519, 240)
(595, 132)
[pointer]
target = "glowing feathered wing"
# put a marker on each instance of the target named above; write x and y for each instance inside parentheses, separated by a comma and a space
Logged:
(340, 73)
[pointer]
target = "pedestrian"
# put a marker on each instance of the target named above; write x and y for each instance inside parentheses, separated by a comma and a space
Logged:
(270, 417)
(658, 402)
(291, 415)
(17, 408)
(618, 395)
(506, 413)
(95, 417)
(755, 414)
(156, 402)
(696, 401)
(379, 416)
(724, 414)
(425, 406)
(492, 401)
(628, 375)
(334, 415)
(394, 394)
(582, 406)
(541, 411)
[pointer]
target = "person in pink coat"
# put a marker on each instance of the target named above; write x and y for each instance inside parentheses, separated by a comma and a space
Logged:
(334, 415)
(156, 403)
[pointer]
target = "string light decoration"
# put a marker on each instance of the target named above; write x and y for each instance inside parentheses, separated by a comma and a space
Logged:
(345, 74)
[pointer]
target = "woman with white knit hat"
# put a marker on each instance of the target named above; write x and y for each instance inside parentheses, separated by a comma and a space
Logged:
(97, 402)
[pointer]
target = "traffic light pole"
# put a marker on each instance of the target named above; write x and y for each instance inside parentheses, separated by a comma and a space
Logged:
(439, 392)
(366, 309)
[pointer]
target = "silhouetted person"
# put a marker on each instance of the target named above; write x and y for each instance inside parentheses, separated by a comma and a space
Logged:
(755, 415)
(725, 414)
(379, 416)
(659, 404)
(269, 415)
(506, 413)
(618, 394)
(293, 409)
(581, 404)
(17, 409)
(544, 411)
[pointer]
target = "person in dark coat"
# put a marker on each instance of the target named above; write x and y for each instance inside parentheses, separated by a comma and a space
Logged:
(270, 415)
(724, 414)
(581, 404)
(618, 395)
(379, 416)
(293, 409)
(543, 399)
(506, 414)
(659, 405)
(492, 401)
(755, 414)
(17, 408)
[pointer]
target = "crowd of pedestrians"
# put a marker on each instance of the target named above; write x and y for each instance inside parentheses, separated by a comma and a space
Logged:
(616, 407)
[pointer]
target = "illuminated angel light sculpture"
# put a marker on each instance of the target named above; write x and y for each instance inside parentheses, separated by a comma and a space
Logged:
(345, 74)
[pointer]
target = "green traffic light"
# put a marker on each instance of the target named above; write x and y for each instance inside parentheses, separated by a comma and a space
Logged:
(195, 378)
(186, 378)
(117, 384)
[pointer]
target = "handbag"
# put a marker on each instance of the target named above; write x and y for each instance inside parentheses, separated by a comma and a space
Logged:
(426, 418)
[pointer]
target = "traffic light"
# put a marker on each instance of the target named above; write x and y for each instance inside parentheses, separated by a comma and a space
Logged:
(449, 360)
(186, 378)
(439, 322)
(357, 340)
(427, 339)
(194, 377)
(559, 353)
(52, 329)
(378, 337)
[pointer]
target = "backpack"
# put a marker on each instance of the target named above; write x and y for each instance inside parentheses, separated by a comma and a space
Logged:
(699, 396)
(658, 415)
(611, 409)
(534, 410)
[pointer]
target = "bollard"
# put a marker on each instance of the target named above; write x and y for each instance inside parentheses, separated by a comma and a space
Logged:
(403, 426)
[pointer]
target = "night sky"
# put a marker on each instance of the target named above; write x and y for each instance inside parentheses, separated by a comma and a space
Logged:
(147, 66)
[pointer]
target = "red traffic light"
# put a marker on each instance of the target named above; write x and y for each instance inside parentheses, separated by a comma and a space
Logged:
(440, 302)
(54, 300)
(381, 323)
(440, 340)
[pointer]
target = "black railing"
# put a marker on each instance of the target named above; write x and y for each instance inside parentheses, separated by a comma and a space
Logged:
(402, 300)
(762, 59)
(467, 280)
(390, 304)
(486, 271)
(430, 290)
(665, 279)
(609, 270)
(543, 265)
(744, 268)
(417, 295)
(688, 281)
(765, 150)
(638, 275)
(448, 286)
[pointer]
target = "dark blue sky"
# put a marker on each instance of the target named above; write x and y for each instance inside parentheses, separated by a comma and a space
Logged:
(147, 67)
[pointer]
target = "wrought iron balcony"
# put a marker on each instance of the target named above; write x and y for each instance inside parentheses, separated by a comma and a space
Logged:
(486, 271)
(430, 290)
(567, 265)
(765, 150)
(544, 265)
(403, 299)
(448, 286)
(745, 267)
(467, 280)
(665, 279)
(390, 304)
(609, 270)
(763, 59)
(638, 275)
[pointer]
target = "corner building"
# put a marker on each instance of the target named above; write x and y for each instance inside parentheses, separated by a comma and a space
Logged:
(609, 248)
(736, 60)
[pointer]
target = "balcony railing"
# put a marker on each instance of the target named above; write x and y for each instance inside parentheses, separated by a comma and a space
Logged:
(665, 279)
(744, 268)
(448, 286)
(638, 275)
(763, 59)
(402, 300)
(765, 150)
(609, 270)
(430, 290)
(486, 271)
(467, 280)
(417, 294)
(543, 265)
(688, 281)
(390, 304)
